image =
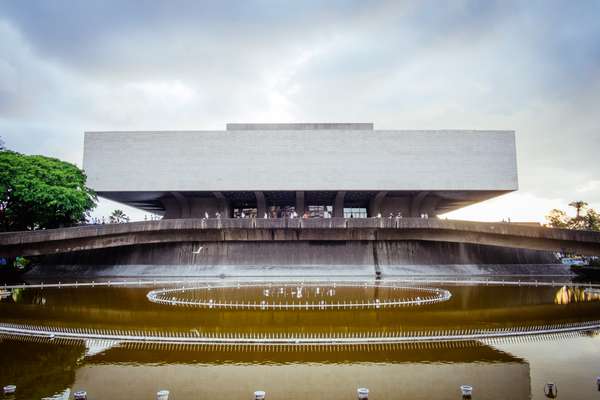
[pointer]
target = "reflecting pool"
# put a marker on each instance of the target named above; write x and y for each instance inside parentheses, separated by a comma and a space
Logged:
(382, 339)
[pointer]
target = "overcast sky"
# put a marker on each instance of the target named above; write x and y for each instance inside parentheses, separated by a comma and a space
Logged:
(528, 66)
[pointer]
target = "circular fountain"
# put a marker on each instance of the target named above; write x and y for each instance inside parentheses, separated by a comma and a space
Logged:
(381, 313)
(299, 296)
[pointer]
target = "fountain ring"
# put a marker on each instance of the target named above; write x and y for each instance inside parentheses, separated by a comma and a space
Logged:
(289, 296)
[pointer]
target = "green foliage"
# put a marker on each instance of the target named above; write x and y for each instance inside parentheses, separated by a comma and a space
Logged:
(118, 217)
(557, 218)
(585, 219)
(21, 262)
(579, 205)
(17, 294)
(41, 192)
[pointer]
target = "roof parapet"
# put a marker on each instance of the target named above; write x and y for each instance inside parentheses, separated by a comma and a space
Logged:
(362, 126)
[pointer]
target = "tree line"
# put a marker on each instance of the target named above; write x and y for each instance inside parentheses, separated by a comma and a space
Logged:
(38, 192)
(586, 218)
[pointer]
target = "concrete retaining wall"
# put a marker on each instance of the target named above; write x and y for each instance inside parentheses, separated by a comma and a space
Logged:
(300, 258)
(304, 253)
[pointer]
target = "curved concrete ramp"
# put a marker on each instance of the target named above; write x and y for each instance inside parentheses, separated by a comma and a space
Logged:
(65, 240)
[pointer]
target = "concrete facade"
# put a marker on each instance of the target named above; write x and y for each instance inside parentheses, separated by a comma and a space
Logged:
(186, 173)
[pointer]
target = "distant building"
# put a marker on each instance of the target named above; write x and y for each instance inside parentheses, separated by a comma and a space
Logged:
(349, 169)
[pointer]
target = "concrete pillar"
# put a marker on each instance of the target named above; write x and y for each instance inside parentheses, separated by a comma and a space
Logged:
(416, 204)
(300, 203)
(171, 206)
(261, 204)
(184, 205)
(429, 205)
(338, 207)
(223, 205)
(375, 204)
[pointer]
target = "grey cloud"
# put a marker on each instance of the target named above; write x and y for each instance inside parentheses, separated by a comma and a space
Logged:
(70, 66)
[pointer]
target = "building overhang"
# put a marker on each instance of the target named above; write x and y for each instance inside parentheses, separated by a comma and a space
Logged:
(454, 168)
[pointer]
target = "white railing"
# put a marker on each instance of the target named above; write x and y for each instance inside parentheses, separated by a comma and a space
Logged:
(424, 281)
(296, 338)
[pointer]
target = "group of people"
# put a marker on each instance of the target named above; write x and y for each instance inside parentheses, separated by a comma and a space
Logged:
(306, 215)
(399, 215)
(217, 215)
(291, 215)
(103, 220)
(243, 215)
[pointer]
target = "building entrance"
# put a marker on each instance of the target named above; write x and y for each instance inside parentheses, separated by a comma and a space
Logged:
(319, 211)
(281, 211)
(244, 212)
(355, 212)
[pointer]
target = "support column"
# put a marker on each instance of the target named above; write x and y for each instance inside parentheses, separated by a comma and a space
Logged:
(416, 203)
(261, 205)
(430, 206)
(300, 203)
(184, 205)
(338, 208)
(223, 205)
(171, 206)
(375, 204)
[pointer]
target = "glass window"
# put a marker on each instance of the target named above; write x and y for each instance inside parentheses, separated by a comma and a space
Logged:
(355, 213)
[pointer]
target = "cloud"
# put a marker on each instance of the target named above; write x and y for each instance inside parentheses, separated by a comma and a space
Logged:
(588, 187)
(67, 67)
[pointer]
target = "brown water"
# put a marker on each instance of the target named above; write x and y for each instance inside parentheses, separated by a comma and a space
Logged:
(503, 370)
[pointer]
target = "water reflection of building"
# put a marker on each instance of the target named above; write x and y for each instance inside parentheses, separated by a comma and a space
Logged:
(47, 368)
(433, 371)
(567, 295)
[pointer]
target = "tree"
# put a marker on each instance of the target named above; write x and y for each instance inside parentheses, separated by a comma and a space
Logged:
(39, 192)
(592, 220)
(585, 218)
(557, 218)
(118, 217)
(579, 205)
(2, 144)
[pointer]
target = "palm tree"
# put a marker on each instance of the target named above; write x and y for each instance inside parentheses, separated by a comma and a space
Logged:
(579, 205)
(118, 217)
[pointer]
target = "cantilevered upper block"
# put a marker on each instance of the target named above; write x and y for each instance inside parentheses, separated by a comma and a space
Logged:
(290, 160)
(348, 164)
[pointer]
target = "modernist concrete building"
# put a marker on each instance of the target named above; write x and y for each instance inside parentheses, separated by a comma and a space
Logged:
(350, 169)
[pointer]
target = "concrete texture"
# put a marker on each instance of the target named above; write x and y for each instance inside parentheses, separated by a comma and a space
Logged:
(214, 271)
(461, 272)
(291, 160)
(304, 253)
(284, 230)
(299, 126)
